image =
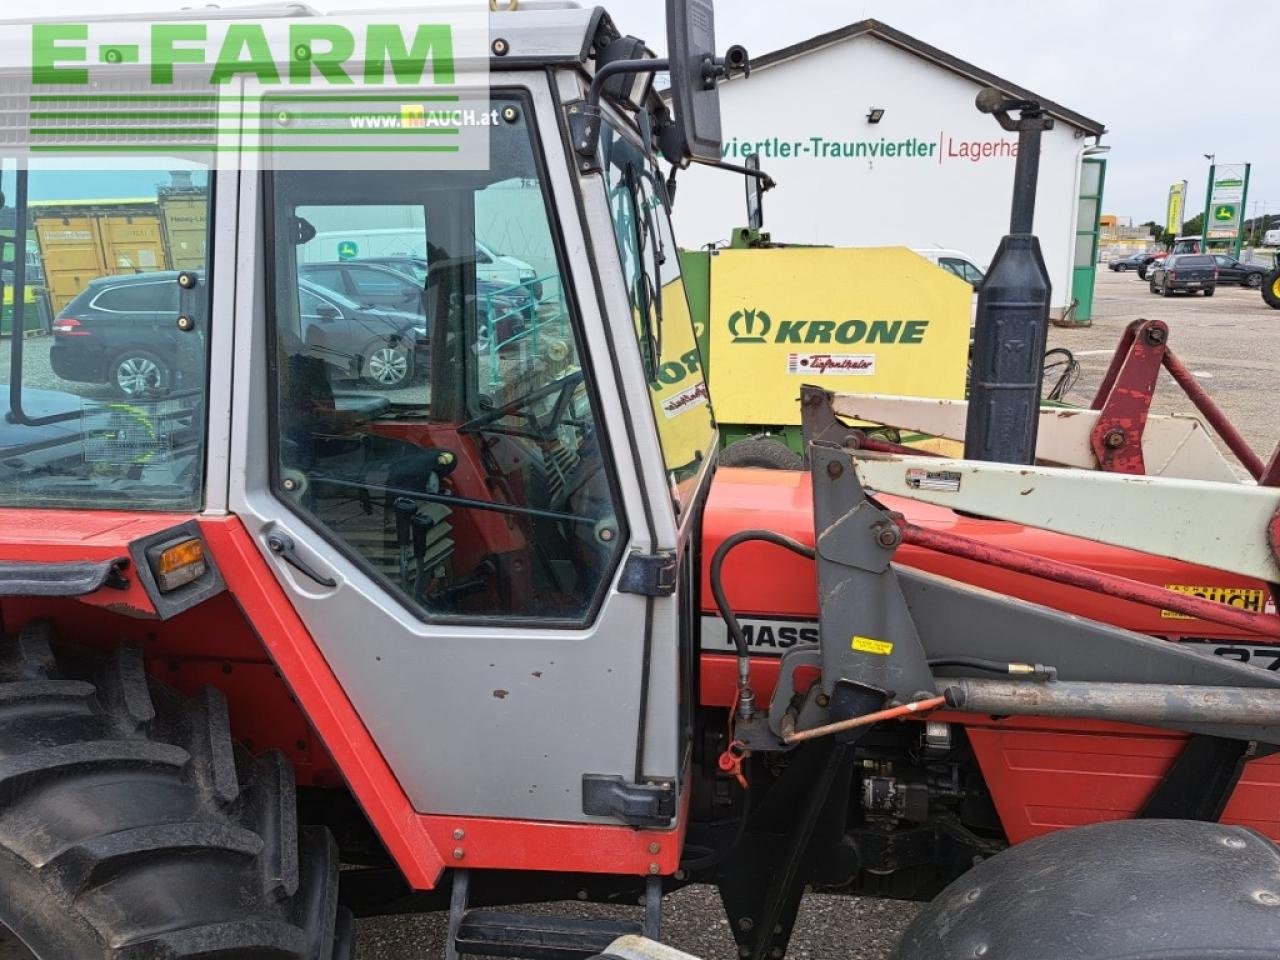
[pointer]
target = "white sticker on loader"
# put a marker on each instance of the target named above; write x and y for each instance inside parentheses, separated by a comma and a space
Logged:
(840, 364)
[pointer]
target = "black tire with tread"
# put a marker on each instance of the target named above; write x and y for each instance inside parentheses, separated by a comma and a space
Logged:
(767, 453)
(133, 828)
(1271, 289)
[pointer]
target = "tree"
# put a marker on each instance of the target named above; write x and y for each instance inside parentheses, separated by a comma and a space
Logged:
(1157, 231)
(1194, 226)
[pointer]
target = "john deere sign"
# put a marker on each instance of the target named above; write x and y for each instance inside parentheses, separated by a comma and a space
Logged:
(783, 317)
(1225, 202)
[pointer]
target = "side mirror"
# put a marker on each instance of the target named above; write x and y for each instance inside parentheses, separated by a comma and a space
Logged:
(695, 71)
(327, 313)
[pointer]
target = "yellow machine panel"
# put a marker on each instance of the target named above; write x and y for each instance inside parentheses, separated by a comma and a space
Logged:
(870, 320)
(679, 392)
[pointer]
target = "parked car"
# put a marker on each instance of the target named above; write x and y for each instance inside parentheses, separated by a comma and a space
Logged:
(397, 283)
(964, 267)
(1231, 270)
(1152, 259)
(1186, 272)
(1131, 262)
(378, 345)
(392, 242)
(505, 271)
(122, 331)
(953, 261)
(525, 292)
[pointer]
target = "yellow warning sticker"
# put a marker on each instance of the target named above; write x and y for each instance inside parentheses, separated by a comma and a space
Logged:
(866, 645)
(1245, 598)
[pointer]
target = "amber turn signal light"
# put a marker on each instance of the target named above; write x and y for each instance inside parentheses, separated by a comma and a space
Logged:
(177, 563)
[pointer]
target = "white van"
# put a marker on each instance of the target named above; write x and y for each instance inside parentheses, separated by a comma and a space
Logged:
(963, 266)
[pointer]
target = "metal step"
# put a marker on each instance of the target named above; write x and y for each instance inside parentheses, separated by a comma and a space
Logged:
(494, 933)
(497, 933)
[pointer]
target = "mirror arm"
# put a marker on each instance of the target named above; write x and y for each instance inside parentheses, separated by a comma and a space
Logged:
(585, 118)
(766, 182)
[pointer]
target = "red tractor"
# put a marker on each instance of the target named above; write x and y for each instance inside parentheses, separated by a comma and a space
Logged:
(493, 630)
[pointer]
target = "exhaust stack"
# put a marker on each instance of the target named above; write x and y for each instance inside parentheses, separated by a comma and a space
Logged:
(1013, 308)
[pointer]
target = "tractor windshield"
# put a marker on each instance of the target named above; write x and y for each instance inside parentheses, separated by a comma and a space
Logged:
(660, 307)
(103, 360)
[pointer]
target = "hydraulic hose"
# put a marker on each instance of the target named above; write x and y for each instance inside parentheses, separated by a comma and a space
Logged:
(746, 697)
(1037, 671)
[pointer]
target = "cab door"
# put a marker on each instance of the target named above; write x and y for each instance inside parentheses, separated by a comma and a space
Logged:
(458, 544)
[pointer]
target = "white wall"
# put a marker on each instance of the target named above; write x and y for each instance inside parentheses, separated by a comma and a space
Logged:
(937, 198)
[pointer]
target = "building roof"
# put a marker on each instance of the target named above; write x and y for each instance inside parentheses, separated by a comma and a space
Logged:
(924, 51)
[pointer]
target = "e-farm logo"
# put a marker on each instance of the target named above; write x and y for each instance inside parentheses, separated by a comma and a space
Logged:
(302, 53)
(341, 91)
(756, 326)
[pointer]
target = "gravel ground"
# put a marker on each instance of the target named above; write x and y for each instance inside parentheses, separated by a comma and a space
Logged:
(693, 921)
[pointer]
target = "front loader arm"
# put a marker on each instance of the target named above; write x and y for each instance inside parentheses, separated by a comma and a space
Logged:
(892, 637)
(1231, 527)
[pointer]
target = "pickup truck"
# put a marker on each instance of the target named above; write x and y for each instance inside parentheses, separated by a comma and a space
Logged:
(1188, 272)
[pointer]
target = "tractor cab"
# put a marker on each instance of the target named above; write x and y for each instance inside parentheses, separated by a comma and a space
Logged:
(477, 488)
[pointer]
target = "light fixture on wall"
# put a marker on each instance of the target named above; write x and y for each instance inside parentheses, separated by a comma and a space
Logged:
(874, 114)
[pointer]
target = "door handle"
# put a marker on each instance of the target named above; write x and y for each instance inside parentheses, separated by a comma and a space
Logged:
(284, 548)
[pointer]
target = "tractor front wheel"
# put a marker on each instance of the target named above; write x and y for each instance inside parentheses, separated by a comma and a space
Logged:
(131, 826)
(1271, 290)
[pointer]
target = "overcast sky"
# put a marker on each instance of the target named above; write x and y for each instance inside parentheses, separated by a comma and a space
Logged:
(1172, 80)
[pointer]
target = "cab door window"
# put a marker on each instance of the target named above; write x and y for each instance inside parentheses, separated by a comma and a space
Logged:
(444, 433)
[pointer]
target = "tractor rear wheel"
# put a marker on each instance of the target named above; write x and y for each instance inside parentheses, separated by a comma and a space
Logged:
(1271, 290)
(767, 453)
(132, 827)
